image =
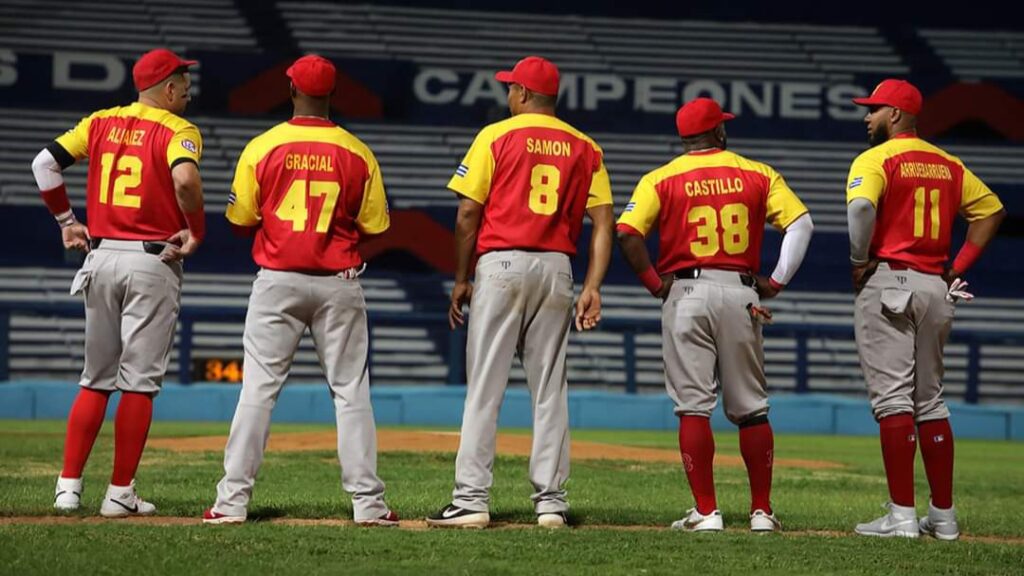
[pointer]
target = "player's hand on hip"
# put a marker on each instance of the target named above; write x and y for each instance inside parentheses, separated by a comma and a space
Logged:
(588, 309)
(76, 237)
(181, 244)
(462, 293)
(666, 286)
(860, 274)
(764, 287)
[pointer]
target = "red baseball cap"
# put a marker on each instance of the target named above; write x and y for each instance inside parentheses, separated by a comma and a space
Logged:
(534, 73)
(155, 66)
(699, 116)
(896, 93)
(313, 75)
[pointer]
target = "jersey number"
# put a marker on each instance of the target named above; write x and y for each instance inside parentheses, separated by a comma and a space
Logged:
(919, 210)
(130, 168)
(293, 207)
(544, 181)
(735, 237)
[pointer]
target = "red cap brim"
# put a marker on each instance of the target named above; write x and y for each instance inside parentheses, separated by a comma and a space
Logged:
(869, 102)
(504, 76)
(727, 116)
(189, 62)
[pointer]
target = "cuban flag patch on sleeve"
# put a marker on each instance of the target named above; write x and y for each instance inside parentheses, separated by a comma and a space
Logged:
(462, 170)
(629, 207)
(856, 182)
(232, 198)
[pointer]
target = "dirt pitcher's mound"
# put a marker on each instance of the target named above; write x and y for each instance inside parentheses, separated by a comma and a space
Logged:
(425, 441)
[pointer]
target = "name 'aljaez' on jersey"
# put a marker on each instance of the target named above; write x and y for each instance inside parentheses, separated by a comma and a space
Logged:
(710, 209)
(131, 151)
(535, 176)
(313, 188)
(917, 190)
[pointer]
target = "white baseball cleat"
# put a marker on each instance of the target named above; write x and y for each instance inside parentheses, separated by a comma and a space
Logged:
(451, 516)
(697, 522)
(122, 501)
(901, 521)
(552, 520)
(388, 519)
(940, 523)
(761, 521)
(68, 495)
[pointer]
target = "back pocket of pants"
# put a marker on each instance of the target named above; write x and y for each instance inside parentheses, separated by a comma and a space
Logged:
(896, 301)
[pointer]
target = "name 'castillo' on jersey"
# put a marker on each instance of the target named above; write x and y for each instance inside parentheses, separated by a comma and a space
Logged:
(312, 187)
(917, 190)
(710, 208)
(535, 176)
(132, 149)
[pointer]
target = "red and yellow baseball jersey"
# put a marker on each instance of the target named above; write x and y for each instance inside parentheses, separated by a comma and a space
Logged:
(312, 188)
(129, 190)
(535, 176)
(917, 190)
(710, 209)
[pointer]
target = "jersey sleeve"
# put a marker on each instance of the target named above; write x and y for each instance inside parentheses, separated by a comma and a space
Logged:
(600, 193)
(373, 217)
(472, 178)
(243, 201)
(185, 146)
(76, 140)
(783, 205)
(866, 179)
(977, 201)
(641, 212)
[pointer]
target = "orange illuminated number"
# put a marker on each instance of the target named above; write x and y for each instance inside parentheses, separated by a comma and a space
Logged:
(293, 206)
(214, 370)
(544, 181)
(130, 168)
(735, 227)
(232, 372)
(920, 209)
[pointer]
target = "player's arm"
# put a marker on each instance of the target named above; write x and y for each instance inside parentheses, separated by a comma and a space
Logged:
(48, 169)
(787, 213)
(599, 210)
(636, 221)
(467, 224)
(984, 213)
(864, 188)
(188, 190)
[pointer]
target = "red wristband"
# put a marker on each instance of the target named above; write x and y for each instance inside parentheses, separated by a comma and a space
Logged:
(56, 199)
(651, 280)
(197, 224)
(968, 255)
(775, 285)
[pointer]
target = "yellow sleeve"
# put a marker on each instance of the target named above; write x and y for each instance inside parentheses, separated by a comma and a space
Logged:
(243, 201)
(866, 179)
(600, 188)
(186, 144)
(783, 205)
(472, 178)
(76, 140)
(373, 217)
(977, 201)
(641, 212)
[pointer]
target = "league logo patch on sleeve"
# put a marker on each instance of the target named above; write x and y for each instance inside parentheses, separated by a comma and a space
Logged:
(190, 146)
(629, 207)
(462, 170)
(856, 182)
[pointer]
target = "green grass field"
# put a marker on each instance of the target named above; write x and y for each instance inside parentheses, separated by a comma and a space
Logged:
(818, 509)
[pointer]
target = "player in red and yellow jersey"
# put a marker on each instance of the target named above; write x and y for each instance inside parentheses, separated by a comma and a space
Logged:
(144, 203)
(709, 206)
(308, 190)
(903, 195)
(523, 189)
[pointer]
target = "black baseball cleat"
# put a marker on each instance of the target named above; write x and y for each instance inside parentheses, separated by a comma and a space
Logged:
(451, 516)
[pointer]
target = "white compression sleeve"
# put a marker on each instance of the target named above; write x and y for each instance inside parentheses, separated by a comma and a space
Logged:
(860, 216)
(794, 247)
(47, 171)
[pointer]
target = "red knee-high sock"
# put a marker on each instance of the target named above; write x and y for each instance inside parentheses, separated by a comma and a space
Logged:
(131, 427)
(757, 444)
(899, 444)
(697, 447)
(84, 423)
(936, 439)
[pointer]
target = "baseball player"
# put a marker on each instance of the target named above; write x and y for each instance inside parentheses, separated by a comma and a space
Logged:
(903, 195)
(523, 188)
(710, 206)
(308, 190)
(145, 213)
